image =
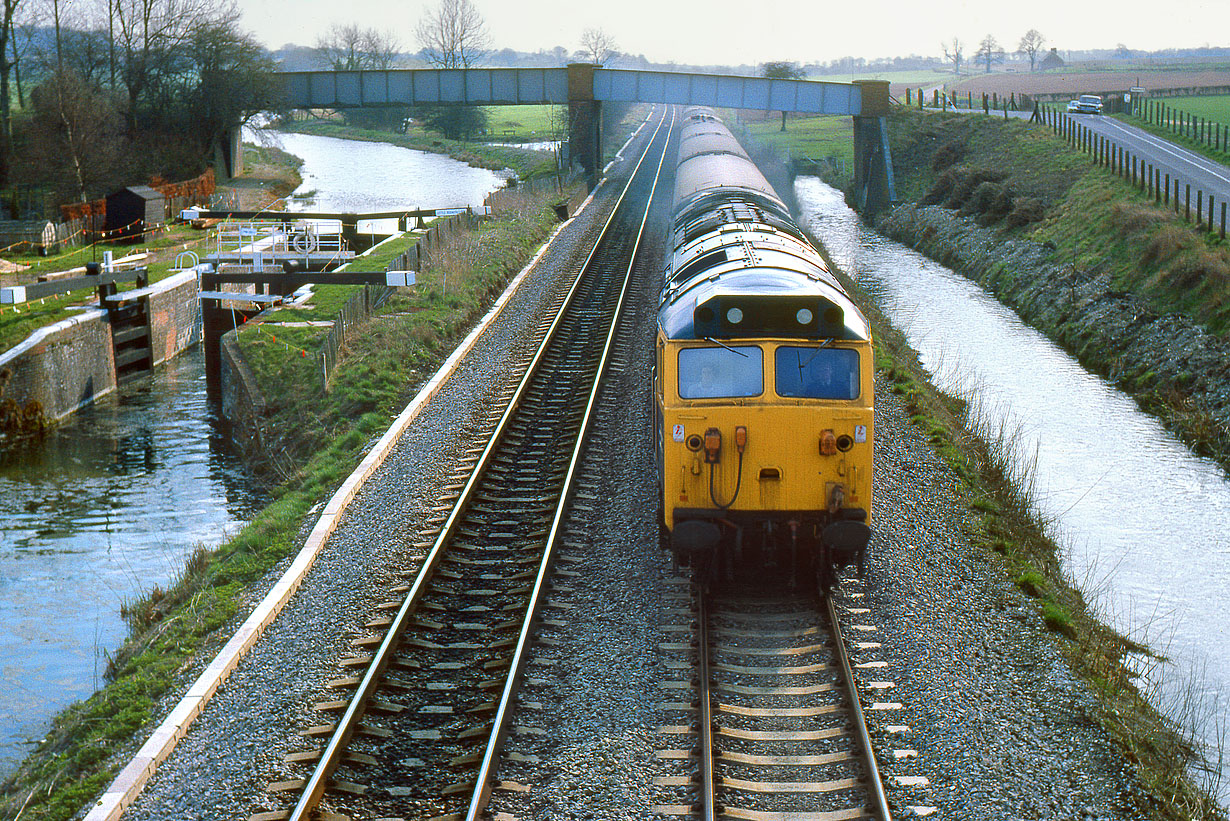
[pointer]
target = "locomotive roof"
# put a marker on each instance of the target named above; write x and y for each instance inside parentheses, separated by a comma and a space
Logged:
(769, 297)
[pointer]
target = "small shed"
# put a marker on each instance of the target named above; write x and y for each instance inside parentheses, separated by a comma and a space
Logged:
(134, 210)
(1052, 60)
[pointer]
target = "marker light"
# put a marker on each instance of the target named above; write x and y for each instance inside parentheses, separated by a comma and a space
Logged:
(828, 443)
(713, 445)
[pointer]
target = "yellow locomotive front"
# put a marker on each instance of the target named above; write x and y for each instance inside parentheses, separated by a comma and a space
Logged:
(765, 440)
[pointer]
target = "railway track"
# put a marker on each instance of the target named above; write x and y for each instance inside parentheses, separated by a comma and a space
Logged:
(435, 679)
(781, 735)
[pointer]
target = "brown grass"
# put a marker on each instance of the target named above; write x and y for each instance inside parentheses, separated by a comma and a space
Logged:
(1165, 244)
(1133, 217)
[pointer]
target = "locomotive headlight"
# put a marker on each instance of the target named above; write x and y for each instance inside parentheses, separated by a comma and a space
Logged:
(828, 443)
(804, 316)
(734, 316)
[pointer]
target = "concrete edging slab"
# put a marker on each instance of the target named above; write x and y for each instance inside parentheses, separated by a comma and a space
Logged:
(131, 780)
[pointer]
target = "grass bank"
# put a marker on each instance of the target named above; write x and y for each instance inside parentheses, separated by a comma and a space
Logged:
(173, 630)
(1016, 541)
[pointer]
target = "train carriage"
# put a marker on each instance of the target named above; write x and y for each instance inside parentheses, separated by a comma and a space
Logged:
(763, 376)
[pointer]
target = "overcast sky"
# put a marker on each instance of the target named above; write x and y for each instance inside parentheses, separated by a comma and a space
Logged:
(725, 32)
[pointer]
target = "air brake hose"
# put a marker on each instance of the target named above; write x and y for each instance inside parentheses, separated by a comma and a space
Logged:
(738, 484)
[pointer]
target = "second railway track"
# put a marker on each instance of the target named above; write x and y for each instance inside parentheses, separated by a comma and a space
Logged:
(418, 731)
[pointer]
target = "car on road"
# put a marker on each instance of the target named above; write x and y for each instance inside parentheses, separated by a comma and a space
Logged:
(1086, 104)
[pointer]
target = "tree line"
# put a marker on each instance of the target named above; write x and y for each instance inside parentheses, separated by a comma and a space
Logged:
(99, 94)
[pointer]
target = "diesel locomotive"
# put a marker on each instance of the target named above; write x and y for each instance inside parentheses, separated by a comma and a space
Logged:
(762, 377)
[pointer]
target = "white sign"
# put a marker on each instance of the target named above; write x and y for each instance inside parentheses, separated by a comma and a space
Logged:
(860, 433)
(677, 433)
(399, 279)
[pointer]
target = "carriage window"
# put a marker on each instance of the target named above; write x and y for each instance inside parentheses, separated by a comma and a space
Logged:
(707, 373)
(816, 373)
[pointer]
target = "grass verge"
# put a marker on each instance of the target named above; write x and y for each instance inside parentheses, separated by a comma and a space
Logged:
(382, 366)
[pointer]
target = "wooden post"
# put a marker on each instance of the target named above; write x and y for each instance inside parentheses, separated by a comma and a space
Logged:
(920, 99)
(1223, 220)
(969, 100)
(1176, 195)
(1149, 188)
(1167, 195)
(1210, 222)
(935, 98)
(1133, 172)
(908, 100)
(1187, 202)
(1157, 188)
(1199, 206)
(985, 105)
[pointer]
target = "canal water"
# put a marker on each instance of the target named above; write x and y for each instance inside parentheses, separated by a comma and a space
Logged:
(348, 176)
(118, 496)
(1142, 520)
(106, 507)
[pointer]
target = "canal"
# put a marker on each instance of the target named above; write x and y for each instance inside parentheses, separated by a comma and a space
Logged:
(115, 499)
(1143, 522)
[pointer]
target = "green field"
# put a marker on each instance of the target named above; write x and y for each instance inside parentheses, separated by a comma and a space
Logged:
(525, 123)
(1215, 108)
(805, 137)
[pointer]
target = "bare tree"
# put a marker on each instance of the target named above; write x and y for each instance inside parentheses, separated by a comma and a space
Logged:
(953, 54)
(453, 35)
(989, 52)
(151, 36)
(598, 46)
(1032, 42)
(8, 19)
(350, 48)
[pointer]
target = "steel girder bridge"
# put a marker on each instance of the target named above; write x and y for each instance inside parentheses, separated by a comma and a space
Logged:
(584, 87)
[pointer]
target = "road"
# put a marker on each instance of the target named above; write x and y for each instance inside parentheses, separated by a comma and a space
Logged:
(1187, 167)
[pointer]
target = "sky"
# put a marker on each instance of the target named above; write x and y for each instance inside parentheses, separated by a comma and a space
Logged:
(721, 32)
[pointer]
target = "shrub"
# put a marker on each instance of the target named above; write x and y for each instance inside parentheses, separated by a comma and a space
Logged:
(1024, 211)
(991, 201)
(942, 187)
(964, 188)
(947, 155)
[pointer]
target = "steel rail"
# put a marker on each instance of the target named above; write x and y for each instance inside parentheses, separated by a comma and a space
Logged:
(875, 789)
(708, 806)
(314, 788)
(484, 782)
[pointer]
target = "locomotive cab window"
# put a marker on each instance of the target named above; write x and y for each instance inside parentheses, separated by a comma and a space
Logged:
(816, 373)
(708, 373)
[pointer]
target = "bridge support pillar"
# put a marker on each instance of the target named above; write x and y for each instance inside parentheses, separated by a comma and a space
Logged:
(584, 121)
(873, 162)
(228, 156)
